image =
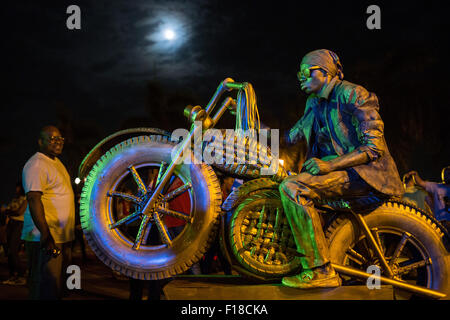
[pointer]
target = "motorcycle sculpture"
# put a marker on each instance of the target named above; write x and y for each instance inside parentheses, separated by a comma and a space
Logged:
(136, 186)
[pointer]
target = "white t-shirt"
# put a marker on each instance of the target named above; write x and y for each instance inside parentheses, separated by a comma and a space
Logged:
(50, 177)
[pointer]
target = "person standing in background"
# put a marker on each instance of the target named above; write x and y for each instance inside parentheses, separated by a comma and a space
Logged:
(49, 219)
(15, 211)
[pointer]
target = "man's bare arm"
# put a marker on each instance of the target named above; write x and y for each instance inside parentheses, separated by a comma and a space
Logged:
(38, 216)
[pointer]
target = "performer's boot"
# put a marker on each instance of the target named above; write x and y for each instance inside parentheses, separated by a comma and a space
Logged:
(318, 277)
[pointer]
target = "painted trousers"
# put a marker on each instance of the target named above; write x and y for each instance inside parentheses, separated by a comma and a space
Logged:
(298, 195)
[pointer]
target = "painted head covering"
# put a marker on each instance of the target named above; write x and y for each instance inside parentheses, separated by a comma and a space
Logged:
(327, 60)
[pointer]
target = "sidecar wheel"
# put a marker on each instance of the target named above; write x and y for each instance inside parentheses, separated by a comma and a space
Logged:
(110, 196)
(410, 241)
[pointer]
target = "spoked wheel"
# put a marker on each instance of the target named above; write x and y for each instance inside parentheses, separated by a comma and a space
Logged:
(411, 244)
(172, 213)
(260, 238)
(177, 230)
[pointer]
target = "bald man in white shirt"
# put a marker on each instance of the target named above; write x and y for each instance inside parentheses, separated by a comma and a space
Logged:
(49, 219)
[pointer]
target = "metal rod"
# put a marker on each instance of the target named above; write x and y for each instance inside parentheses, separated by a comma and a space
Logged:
(399, 248)
(374, 244)
(165, 237)
(177, 192)
(222, 109)
(124, 196)
(130, 218)
(226, 85)
(141, 232)
(220, 90)
(138, 179)
(235, 85)
(167, 174)
(396, 283)
(160, 172)
(176, 214)
(223, 86)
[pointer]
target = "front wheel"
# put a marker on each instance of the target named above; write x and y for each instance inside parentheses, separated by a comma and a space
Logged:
(411, 243)
(180, 227)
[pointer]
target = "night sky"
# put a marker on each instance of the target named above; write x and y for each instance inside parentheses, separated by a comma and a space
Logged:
(119, 72)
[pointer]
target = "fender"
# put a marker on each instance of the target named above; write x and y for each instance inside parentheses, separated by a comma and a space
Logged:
(239, 194)
(109, 142)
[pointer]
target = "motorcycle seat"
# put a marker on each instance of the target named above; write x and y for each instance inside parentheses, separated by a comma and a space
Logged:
(362, 203)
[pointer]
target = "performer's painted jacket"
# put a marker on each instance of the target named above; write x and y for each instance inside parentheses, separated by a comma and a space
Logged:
(353, 123)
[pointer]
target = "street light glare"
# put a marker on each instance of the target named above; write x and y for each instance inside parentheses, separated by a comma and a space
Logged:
(169, 34)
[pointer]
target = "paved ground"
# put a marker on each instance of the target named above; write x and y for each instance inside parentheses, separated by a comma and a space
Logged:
(97, 281)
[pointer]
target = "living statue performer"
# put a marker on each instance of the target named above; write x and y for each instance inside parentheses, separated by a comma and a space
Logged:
(346, 156)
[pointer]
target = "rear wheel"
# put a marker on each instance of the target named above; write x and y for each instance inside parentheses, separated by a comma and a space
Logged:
(411, 243)
(170, 239)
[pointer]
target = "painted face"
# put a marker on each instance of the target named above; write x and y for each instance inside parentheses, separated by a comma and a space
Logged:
(51, 142)
(311, 78)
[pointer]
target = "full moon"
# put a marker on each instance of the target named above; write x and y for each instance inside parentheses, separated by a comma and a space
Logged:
(169, 34)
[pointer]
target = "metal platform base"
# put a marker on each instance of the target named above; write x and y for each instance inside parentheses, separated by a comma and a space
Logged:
(237, 288)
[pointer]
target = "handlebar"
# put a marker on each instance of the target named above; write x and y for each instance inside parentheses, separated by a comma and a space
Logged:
(226, 85)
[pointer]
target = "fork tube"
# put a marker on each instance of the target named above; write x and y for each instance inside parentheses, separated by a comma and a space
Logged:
(374, 243)
(228, 101)
(226, 85)
(167, 174)
(219, 91)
